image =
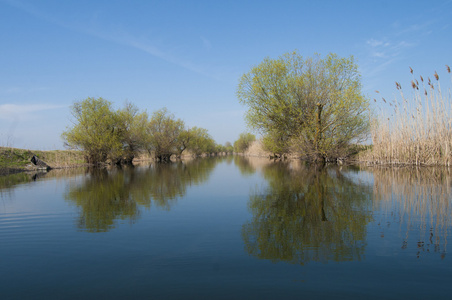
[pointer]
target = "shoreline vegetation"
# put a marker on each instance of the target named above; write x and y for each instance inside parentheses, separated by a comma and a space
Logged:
(15, 160)
(313, 109)
(414, 130)
(308, 109)
(117, 137)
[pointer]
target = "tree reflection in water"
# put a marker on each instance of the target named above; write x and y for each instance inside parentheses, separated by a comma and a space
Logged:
(104, 196)
(244, 165)
(308, 214)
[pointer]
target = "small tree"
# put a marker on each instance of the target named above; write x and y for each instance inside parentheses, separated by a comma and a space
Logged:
(243, 142)
(163, 135)
(201, 142)
(228, 147)
(95, 130)
(186, 139)
(133, 129)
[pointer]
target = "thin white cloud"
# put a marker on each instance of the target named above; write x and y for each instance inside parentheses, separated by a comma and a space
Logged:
(378, 54)
(423, 28)
(14, 111)
(119, 36)
(148, 47)
(20, 89)
(374, 43)
(393, 45)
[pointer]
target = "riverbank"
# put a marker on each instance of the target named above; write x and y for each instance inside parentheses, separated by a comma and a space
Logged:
(14, 160)
(256, 149)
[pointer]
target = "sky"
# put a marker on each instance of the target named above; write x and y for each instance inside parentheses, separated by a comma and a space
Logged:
(188, 56)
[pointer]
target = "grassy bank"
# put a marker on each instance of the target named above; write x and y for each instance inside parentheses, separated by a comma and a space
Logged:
(14, 160)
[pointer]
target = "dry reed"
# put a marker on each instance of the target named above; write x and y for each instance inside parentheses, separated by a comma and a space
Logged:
(417, 130)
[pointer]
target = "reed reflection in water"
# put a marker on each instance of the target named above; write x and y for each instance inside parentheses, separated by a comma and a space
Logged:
(420, 200)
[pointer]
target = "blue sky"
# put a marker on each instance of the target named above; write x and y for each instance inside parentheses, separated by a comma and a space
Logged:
(188, 56)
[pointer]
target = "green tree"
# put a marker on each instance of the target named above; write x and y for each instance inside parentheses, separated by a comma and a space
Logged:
(244, 141)
(201, 142)
(228, 147)
(313, 104)
(133, 129)
(276, 143)
(219, 149)
(95, 130)
(185, 138)
(164, 132)
(197, 140)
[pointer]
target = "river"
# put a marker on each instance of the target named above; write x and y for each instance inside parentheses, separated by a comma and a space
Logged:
(226, 228)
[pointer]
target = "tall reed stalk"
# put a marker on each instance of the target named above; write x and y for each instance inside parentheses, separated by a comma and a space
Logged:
(416, 130)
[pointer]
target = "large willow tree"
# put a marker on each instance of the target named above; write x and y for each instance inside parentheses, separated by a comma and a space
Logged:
(315, 105)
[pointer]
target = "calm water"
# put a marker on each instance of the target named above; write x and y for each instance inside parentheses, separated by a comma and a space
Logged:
(226, 228)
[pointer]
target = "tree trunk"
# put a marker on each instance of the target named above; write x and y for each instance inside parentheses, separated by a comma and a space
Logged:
(318, 134)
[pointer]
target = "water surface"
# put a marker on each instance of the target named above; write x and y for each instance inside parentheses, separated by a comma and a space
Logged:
(226, 228)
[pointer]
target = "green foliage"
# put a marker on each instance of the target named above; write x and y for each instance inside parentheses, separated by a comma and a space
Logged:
(95, 130)
(14, 158)
(201, 142)
(132, 126)
(185, 139)
(164, 132)
(118, 136)
(228, 147)
(312, 104)
(243, 142)
(276, 143)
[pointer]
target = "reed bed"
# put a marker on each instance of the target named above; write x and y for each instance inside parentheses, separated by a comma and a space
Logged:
(415, 130)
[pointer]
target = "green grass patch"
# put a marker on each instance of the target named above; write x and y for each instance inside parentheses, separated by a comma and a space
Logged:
(14, 158)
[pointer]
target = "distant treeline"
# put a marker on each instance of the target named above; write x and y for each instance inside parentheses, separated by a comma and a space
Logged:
(118, 136)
